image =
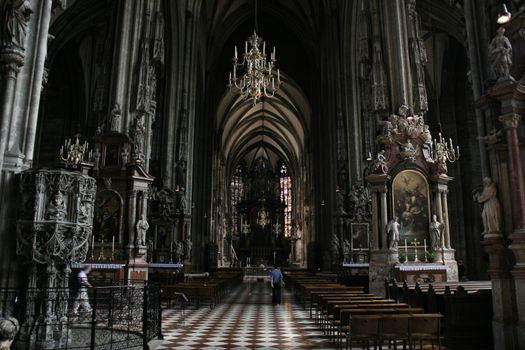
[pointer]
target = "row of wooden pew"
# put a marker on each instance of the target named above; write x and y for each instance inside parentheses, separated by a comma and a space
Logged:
(349, 313)
(206, 290)
(467, 307)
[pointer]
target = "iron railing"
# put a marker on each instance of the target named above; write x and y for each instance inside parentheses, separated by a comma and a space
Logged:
(122, 316)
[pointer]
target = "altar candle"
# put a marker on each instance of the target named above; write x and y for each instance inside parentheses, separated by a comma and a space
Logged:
(406, 249)
(425, 243)
(113, 246)
(93, 243)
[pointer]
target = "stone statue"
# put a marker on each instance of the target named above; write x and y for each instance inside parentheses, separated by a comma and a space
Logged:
(8, 329)
(180, 173)
(115, 118)
(340, 201)
(500, 54)
(346, 250)
(179, 251)
(56, 209)
(491, 213)
(15, 22)
(492, 138)
(336, 248)
(435, 233)
(298, 235)
(139, 136)
(187, 248)
(142, 226)
(96, 158)
(379, 164)
(392, 231)
(124, 156)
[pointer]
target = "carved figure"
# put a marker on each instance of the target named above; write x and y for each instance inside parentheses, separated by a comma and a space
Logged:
(180, 173)
(435, 233)
(139, 135)
(16, 19)
(340, 202)
(408, 151)
(56, 209)
(392, 231)
(500, 54)
(336, 248)
(124, 156)
(179, 251)
(115, 118)
(379, 164)
(187, 248)
(8, 329)
(142, 226)
(96, 158)
(491, 213)
(492, 138)
(346, 250)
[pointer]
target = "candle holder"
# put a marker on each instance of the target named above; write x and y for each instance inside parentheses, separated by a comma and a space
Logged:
(101, 254)
(415, 244)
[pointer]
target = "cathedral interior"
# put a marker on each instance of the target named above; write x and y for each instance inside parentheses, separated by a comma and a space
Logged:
(367, 142)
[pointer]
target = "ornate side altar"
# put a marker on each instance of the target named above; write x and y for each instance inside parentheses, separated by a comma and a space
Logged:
(409, 185)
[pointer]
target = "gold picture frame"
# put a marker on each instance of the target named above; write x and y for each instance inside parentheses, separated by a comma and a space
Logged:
(411, 205)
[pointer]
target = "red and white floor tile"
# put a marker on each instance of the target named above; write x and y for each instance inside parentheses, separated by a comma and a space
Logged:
(244, 320)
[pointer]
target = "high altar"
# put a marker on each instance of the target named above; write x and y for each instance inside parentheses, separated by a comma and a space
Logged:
(410, 236)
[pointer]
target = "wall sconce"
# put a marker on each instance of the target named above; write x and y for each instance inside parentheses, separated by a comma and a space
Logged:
(504, 15)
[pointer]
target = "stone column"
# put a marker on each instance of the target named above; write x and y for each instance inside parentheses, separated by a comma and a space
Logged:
(381, 258)
(447, 253)
(510, 122)
(384, 217)
(503, 328)
(446, 232)
(11, 59)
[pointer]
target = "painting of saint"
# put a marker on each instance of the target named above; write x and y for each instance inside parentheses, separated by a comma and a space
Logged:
(410, 201)
(106, 222)
(360, 235)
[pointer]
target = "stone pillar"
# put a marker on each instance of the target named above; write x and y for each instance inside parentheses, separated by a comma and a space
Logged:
(384, 217)
(381, 258)
(10, 62)
(503, 328)
(510, 122)
(446, 232)
(447, 253)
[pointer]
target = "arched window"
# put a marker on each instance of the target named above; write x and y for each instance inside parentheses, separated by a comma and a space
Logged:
(236, 190)
(285, 182)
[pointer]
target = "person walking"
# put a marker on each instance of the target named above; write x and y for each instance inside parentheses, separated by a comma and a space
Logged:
(275, 279)
(82, 295)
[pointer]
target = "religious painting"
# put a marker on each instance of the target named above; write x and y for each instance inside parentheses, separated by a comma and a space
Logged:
(106, 222)
(411, 205)
(360, 238)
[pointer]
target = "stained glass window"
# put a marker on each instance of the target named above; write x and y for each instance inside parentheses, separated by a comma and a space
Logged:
(285, 182)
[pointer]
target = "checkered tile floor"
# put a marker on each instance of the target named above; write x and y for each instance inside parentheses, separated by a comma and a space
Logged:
(244, 320)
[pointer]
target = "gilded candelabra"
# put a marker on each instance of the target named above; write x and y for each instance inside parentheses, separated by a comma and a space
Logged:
(443, 152)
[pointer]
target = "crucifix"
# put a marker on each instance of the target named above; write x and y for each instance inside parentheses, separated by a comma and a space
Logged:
(415, 243)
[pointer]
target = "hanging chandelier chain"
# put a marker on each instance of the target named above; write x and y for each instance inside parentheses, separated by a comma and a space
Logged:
(256, 24)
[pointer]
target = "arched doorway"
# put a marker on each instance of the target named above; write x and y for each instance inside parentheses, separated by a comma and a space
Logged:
(261, 178)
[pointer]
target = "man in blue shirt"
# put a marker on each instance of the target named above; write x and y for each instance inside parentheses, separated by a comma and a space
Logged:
(275, 279)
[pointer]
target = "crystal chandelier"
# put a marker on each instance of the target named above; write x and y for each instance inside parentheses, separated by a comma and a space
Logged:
(258, 76)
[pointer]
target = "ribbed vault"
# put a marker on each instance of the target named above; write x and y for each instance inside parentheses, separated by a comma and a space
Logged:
(275, 128)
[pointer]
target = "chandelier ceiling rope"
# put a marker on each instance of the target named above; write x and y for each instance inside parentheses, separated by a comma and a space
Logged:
(259, 77)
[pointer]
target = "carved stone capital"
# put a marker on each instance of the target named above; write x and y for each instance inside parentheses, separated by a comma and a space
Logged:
(510, 121)
(11, 59)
